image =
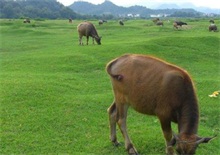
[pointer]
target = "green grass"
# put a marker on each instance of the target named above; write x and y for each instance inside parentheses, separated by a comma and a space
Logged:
(54, 93)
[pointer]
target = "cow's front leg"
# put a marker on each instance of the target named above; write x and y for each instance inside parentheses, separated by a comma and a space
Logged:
(93, 40)
(167, 132)
(122, 112)
(87, 40)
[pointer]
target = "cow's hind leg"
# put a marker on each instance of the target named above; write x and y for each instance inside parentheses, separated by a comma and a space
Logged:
(80, 40)
(112, 111)
(122, 116)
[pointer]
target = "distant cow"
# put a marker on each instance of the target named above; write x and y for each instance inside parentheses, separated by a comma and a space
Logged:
(102, 22)
(27, 20)
(88, 29)
(212, 21)
(212, 27)
(155, 20)
(121, 22)
(177, 24)
(154, 87)
(70, 20)
(160, 23)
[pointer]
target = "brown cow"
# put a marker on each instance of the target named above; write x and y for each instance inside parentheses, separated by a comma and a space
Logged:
(88, 29)
(154, 87)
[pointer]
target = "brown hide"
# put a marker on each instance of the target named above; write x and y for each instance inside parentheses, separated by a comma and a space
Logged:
(88, 29)
(151, 81)
(154, 87)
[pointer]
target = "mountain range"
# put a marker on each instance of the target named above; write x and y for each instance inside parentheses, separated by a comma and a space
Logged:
(187, 5)
(107, 7)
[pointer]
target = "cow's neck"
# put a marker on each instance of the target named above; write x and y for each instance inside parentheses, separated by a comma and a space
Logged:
(189, 118)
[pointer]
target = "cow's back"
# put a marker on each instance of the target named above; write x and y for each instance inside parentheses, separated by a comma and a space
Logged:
(85, 28)
(148, 83)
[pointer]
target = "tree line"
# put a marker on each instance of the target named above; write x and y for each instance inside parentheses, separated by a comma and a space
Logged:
(50, 9)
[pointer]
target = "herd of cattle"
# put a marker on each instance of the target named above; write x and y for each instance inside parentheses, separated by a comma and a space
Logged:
(87, 29)
(154, 87)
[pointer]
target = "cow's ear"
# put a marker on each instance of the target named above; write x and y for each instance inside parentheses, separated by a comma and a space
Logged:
(204, 139)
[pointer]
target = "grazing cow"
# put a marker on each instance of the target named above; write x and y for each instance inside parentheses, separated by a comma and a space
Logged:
(212, 21)
(121, 22)
(160, 23)
(154, 87)
(27, 20)
(70, 20)
(212, 27)
(88, 29)
(102, 22)
(177, 24)
(155, 20)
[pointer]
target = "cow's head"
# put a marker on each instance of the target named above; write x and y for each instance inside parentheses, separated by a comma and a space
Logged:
(98, 40)
(187, 144)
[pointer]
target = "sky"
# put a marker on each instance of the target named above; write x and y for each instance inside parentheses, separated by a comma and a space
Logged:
(150, 3)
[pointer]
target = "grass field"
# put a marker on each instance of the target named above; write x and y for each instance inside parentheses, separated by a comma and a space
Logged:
(54, 93)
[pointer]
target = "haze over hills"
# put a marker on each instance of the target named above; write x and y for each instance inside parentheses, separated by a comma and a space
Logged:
(186, 5)
(109, 7)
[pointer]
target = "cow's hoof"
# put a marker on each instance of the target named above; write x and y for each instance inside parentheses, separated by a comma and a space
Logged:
(170, 151)
(116, 143)
(132, 151)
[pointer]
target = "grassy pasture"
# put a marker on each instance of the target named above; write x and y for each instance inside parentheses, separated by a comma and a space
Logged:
(54, 93)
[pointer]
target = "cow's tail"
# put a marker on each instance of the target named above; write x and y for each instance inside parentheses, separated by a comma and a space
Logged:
(117, 77)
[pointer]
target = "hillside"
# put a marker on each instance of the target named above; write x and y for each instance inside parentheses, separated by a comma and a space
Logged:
(108, 7)
(50, 9)
(205, 10)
